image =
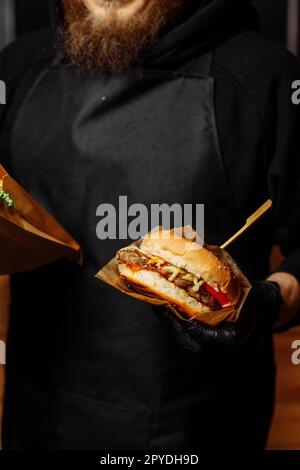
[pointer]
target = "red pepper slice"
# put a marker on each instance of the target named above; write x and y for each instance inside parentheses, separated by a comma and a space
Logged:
(219, 296)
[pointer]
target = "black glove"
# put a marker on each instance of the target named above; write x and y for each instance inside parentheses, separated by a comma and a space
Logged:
(260, 310)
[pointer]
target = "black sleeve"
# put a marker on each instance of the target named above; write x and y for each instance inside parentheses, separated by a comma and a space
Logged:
(12, 66)
(5, 58)
(21, 61)
(284, 168)
(266, 124)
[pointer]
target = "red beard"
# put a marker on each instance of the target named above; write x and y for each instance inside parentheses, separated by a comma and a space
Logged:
(93, 46)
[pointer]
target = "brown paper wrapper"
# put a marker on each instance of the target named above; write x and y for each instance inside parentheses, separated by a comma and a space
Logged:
(110, 275)
(29, 236)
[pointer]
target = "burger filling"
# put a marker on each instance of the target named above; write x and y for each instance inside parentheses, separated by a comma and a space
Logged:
(197, 288)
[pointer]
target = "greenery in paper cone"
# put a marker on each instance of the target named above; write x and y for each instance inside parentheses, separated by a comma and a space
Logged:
(4, 197)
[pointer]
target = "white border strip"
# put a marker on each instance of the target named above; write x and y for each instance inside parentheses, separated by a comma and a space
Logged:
(293, 26)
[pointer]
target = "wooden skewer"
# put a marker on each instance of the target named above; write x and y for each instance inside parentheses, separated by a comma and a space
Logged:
(250, 221)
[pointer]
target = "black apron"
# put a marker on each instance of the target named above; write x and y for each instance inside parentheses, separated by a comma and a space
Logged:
(89, 367)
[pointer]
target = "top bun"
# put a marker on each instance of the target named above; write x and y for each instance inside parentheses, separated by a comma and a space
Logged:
(191, 256)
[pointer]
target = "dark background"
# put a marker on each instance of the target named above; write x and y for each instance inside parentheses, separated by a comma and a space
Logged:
(34, 14)
(285, 431)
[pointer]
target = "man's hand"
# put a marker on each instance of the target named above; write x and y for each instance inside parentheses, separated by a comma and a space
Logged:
(290, 293)
(261, 310)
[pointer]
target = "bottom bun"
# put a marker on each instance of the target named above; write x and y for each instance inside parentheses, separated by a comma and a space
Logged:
(164, 289)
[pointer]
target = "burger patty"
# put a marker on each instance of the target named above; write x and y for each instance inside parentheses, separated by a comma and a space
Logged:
(138, 260)
(202, 295)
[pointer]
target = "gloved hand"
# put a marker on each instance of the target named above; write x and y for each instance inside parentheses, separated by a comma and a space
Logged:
(261, 309)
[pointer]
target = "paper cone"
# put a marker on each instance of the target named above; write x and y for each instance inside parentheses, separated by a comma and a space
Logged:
(29, 236)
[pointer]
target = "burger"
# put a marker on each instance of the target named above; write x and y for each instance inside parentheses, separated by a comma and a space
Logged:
(184, 273)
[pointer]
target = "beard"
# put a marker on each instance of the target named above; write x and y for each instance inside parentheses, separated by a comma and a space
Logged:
(111, 45)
